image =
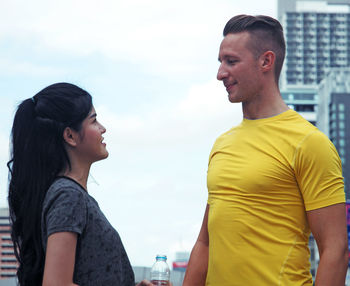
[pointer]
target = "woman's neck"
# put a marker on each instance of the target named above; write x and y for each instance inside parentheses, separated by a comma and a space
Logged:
(78, 174)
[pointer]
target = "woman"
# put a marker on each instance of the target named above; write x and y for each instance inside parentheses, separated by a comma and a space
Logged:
(60, 235)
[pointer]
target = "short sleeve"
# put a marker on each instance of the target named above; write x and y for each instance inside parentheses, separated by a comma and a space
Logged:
(318, 172)
(65, 210)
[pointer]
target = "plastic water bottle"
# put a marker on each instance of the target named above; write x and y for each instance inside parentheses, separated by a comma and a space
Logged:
(160, 273)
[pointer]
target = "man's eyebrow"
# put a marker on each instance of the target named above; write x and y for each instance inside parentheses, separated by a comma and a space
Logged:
(223, 57)
(227, 57)
(93, 115)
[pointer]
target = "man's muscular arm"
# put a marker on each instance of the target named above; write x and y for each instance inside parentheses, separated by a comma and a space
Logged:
(328, 226)
(197, 268)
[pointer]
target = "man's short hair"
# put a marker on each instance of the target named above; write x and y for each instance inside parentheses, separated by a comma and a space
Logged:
(266, 35)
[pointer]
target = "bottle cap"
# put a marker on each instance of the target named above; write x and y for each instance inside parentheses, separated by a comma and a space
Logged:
(161, 256)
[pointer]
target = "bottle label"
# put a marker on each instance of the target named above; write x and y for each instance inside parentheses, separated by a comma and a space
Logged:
(160, 282)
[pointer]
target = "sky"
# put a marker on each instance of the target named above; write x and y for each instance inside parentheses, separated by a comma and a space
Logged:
(150, 66)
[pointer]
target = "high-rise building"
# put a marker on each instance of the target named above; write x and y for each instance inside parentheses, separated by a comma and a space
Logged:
(317, 37)
(8, 261)
(334, 115)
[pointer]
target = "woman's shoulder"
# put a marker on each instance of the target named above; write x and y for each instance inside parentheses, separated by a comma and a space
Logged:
(63, 181)
(64, 188)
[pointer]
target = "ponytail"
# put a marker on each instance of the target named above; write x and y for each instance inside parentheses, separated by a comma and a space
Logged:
(37, 156)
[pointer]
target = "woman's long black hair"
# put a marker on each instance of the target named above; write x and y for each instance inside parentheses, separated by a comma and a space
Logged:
(38, 155)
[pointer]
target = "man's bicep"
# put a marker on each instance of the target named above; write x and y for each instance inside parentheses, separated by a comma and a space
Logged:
(198, 264)
(328, 225)
(203, 233)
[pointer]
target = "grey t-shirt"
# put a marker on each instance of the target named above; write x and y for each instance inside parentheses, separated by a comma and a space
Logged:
(100, 256)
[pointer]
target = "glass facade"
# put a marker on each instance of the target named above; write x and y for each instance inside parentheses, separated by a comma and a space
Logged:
(315, 42)
(339, 130)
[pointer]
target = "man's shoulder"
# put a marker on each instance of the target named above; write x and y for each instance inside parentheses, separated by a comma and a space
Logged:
(295, 119)
(316, 140)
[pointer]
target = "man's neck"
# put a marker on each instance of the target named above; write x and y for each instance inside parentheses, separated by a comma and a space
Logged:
(264, 105)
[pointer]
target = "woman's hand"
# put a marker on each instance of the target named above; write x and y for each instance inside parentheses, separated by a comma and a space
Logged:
(144, 283)
(147, 283)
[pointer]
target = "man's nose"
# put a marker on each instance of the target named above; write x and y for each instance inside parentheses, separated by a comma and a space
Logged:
(222, 73)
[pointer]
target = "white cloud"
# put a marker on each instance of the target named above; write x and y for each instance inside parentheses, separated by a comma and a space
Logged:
(168, 36)
(4, 157)
(15, 67)
(205, 111)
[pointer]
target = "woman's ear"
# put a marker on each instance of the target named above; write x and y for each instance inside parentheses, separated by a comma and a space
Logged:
(70, 136)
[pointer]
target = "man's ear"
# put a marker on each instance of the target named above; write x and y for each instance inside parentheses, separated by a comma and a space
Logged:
(268, 61)
(70, 136)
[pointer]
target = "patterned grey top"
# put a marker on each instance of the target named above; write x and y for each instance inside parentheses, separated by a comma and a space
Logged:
(100, 256)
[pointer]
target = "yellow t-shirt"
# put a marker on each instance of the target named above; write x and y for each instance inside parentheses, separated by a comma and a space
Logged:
(263, 176)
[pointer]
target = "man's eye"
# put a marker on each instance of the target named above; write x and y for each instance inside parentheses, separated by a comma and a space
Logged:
(231, 62)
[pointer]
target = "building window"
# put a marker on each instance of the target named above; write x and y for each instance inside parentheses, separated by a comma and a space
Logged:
(341, 124)
(7, 252)
(8, 259)
(11, 267)
(341, 142)
(341, 151)
(333, 133)
(341, 115)
(341, 106)
(341, 133)
(304, 108)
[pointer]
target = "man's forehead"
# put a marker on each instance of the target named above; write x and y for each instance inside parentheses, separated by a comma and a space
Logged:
(237, 40)
(241, 36)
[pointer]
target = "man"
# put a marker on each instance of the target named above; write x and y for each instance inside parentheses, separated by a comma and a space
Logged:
(270, 180)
